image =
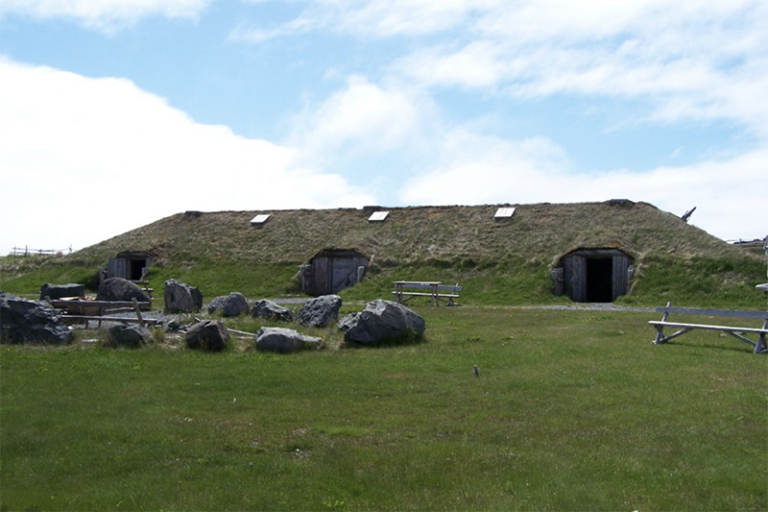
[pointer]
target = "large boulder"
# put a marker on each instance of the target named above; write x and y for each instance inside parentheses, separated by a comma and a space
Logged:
(382, 321)
(284, 341)
(320, 311)
(123, 290)
(181, 297)
(131, 336)
(209, 335)
(26, 321)
(59, 291)
(271, 311)
(230, 305)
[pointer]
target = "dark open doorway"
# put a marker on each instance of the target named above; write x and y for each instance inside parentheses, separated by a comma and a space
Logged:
(599, 279)
(137, 269)
(593, 275)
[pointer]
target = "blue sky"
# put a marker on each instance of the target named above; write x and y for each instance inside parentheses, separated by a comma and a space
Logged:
(132, 110)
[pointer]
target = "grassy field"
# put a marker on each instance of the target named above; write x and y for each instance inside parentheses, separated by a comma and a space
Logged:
(573, 410)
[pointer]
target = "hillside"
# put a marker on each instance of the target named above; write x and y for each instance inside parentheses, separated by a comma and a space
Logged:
(501, 261)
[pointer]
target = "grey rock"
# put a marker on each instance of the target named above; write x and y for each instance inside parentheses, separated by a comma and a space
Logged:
(119, 289)
(320, 311)
(58, 291)
(271, 311)
(181, 297)
(173, 325)
(209, 335)
(128, 335)
(26, 321)
(382, 321)
(284, 341)
(230, 305)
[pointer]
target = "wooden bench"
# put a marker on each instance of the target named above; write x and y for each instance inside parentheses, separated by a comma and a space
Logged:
(98, 310)
(739, 333)
(434, 290)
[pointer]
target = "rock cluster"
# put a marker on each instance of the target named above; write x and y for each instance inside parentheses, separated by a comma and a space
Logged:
(27, 321)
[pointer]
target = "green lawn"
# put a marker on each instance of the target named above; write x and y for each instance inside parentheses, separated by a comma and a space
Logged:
(573, 410)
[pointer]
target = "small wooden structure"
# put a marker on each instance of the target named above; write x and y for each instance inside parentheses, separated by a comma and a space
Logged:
(594, 275)
(129, 265)
(739, 333)
(435, 290)
(332, 270)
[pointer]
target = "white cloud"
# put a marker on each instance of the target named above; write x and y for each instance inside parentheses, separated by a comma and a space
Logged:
(691, 60)
(360, 118)
(373, 18)
(105, 15)
(84, 159)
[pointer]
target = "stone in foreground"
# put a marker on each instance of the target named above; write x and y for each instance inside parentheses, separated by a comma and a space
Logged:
(122, 290)
(320, 311)
(284, 341)
(382, 321)
(271, 311)
(131, 336)
(210, 335)
(233, 304)
(26, 321)
(181, 297)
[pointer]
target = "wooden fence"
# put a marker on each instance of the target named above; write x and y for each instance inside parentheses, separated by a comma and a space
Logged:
(26, 251)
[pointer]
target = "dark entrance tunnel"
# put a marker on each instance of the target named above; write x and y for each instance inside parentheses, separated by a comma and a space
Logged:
(137, 269)
(599, 280)
(593, 275)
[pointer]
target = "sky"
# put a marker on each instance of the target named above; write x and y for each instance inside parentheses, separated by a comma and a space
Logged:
(117, 113)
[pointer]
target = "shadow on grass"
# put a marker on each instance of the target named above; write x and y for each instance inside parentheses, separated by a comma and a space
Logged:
(730, 348)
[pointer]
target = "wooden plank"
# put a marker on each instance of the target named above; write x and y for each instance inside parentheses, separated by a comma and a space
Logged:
(107, 319)
(706, 327)
(138, 312)
(578, 278)
(427, 285)
(114, 303)
(422, 294)
(715, 312)
(619, 281)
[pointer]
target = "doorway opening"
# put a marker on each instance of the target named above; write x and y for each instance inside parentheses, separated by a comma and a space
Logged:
(599, 280)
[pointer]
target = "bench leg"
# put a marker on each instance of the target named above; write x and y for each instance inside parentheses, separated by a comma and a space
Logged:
(659, 328)
(760, 347)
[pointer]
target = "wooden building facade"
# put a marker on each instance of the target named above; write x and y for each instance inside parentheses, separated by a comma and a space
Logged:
(331, 271)
(129, 265)
(594, 275)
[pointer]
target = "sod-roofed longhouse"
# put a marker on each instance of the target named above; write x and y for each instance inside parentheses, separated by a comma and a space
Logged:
(592, 250)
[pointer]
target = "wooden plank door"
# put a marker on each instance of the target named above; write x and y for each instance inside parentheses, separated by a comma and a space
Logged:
(578, 278)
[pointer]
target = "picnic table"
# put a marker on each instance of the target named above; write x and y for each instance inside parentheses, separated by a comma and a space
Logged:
(740, 333)
(76, 309)
(435, 290)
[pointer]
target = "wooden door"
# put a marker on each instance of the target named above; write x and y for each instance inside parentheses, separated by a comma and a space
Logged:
(578, 278)
(344, 274)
